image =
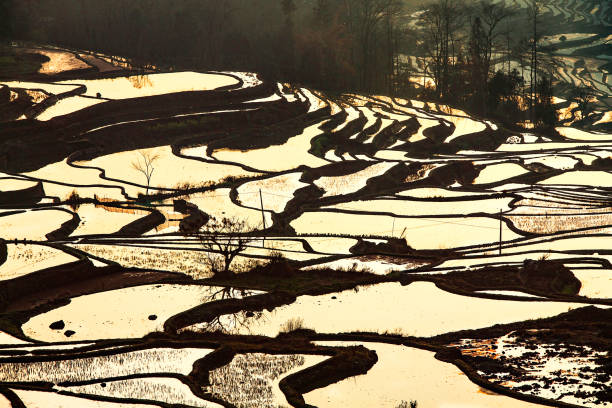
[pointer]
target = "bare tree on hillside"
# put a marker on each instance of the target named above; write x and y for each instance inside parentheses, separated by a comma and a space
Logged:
(144, 164)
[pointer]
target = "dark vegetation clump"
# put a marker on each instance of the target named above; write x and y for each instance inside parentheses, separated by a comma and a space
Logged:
(396, 246)
(560, 280)
(393, 246)
(13, 64)
(603, 163)
(74, 200)
(538, 277)
(406, 404)
(278, 266)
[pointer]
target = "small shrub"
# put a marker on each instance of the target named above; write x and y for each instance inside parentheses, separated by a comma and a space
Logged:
(276, 256)
(292, 325)
(544, 257)
(398, 331)
(73, 200)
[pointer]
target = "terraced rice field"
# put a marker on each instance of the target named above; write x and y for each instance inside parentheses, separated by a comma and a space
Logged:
(375, 245)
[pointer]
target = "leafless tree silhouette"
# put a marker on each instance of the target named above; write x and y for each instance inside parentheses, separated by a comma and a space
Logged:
(223, 240)
(233, 322)
(144, 164)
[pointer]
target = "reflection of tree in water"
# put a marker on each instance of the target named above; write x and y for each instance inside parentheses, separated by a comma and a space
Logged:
(140, 81)
(228, 323)
(248, 380)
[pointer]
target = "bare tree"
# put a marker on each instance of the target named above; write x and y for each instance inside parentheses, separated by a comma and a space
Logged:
(223, 240)
(491, 16)
(442, 21)
(533, 11)
(392, 12)
(367, 18)
(144, 164)
(483, 39)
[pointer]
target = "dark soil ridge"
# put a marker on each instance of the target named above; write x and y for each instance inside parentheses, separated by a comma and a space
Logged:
(142, 225)
(541, 278)
(68, 127)
(590, 317)
(350, 362)
(344, 362)
(585, 327)
(66, 228)
(447, 355)
(23, 198)
(12, 397)
(38, 108)
(311, 378)
(208, 311)
(24, 297)
(460, 367)
(282, 281)
(194, 218)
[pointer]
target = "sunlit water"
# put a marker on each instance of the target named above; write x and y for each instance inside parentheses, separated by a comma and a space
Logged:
(407, 374)
(419, 309)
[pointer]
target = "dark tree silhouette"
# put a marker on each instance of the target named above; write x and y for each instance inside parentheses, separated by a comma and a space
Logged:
(442, 21)
(223, 240)
(533, 11)
(584, 98)
(144, 165)
(5, 21)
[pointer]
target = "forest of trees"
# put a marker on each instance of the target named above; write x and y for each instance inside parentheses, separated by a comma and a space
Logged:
(331, 43)
(463, 44)
(334, 45)
(5, 21)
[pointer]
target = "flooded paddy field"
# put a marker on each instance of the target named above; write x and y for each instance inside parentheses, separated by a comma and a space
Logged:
(214, 239)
